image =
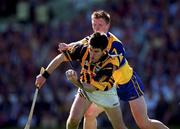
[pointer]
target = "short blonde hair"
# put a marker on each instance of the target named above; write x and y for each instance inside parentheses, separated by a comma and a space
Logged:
(102, 14)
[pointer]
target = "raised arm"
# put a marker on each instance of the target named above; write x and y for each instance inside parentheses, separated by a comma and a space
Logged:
(55, 63)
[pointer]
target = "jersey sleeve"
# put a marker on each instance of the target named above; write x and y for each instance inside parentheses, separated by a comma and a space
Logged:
(117, 48)
(75, 52)
(85, 40)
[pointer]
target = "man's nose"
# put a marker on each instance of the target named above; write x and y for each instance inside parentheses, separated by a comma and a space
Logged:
(97, 28)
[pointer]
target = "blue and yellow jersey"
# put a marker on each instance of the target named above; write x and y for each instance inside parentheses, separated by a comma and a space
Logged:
(116, 49)
(98, 74)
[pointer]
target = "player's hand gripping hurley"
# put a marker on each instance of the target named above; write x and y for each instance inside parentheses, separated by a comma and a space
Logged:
(28, 123)
(78, 84)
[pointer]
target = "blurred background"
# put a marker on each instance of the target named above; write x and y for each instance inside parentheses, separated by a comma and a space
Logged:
(29, 34)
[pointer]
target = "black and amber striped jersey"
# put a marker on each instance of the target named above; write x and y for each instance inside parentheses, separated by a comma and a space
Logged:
(98, 74)
(116, 49)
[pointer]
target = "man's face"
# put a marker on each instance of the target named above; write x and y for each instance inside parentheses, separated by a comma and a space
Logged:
(95, 54)
(99, 25)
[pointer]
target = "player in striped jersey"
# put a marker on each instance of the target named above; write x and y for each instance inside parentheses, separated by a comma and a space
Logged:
(96, 81)
(129, 85)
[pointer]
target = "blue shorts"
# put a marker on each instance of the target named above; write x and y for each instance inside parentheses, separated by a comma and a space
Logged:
(131, 90)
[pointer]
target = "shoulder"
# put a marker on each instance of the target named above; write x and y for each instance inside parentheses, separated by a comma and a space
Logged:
(85, 40)
(112, 37)
(114, 42)
(79, 47)
(115, 46)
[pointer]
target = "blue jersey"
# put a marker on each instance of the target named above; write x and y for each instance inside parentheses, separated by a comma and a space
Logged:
(115, 46)
(132, 87)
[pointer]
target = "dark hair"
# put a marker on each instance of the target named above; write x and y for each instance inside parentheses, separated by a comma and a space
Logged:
(99, 40)
(102, 14)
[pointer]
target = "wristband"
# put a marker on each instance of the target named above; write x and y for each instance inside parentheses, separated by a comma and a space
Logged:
(45, 74)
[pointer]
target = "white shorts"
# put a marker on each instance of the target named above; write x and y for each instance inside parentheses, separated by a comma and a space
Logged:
(108, 99)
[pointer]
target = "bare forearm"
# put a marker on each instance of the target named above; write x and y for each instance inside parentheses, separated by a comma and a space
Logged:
(55, 63)
(44, 74)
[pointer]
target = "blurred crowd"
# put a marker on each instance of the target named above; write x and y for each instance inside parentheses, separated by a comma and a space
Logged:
(29, 34)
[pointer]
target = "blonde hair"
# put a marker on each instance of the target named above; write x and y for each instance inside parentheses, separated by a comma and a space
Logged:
(102, 14)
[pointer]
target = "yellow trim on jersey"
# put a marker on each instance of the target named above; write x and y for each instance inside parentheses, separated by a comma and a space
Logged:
(123, 74)
(111, 39)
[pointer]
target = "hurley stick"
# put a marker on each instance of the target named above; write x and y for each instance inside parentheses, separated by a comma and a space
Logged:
(28, 123)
